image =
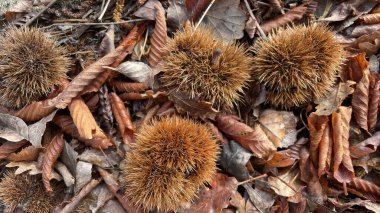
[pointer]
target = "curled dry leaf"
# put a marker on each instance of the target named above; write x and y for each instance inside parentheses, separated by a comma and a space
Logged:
(360, 101)
(227, 19)
(193, 106)
(65, 173)
(135, 70)
(34, 111)
(366, 147)
(253, 140)
(373, 105)
(123, 119)
(53, 150)
(317, 125)
(279, 126)
(356, 65)
(8, 148)
(329, 104)
(67, 125)
(29, 153)
(217, 198)
(368, 43)
(288, 157)
(159, 37)
(343, 10)
(129, 86)
(370, 18)
(290, 16)
(88, 75)
(343, 170)
(365, 189)
(84, 120)
(32, 168)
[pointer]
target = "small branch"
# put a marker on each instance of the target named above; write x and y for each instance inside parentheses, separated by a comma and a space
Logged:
(104, 10)
(39, 14)
(253, 179)
(204, 14)
(261, 31)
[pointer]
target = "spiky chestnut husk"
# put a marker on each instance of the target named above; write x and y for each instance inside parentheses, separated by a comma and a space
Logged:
(31, 64)
(171, 159)
(196, 62)
(297, 64)
(27, 191)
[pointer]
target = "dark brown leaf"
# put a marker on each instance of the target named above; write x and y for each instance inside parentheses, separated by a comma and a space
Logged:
(360, 101)
(8, 148)
(128, 86)
(29, 153)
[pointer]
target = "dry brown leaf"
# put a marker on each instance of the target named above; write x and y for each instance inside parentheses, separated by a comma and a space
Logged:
(279, 126)
(159, 37)
(365, 189)
(52, 152)
(29, 153)
(288, 157)
(67, 125)
(227, 19)
(343, 10)
(368, 43)
(135, 70)
(108, 42)
(253, 140)
(360, 101)
(216, 198)
(86, 76)
(84, 120)
(317, 125)
(34, 111)
(370, 18)
(373, 105)
(8, 148)
(193, 106)
(123, 119)
(294, 14)
(128, 86)
(195, 8)
(241, 204)
(343, 170)
(286, 184)
(329, 104)
(366, 147)
(149, 94)
(361, 30)
(325, 151)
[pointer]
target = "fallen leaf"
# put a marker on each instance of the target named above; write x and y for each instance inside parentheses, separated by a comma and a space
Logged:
(108, 42)
(373, 103)
(195, 8)
(365, 147)
(29, 153)
(83, 175)
(147, 11)
(343, 170)
(103, 159)
(159, 37)
(242, 204)
(176, 14)
(8, 148)
(317, 126)
(329, 104)
(234, 158)
(368, 43)
(121, 86)
(65, 173)
(279, 126)
(343, 10)
(288, 157)
(123, 119)
(364, 189)
(290, 178)
(370, 18)
(262, 196)
(69, 158)
(227, 19)
(360, 101)
(253, 140)
(135, 70)
(193, 106)
(216, 198)
(32, 168)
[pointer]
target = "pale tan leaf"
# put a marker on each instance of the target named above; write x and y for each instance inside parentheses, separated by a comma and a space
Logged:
(29, 153)
(135, 70)
(290, 177)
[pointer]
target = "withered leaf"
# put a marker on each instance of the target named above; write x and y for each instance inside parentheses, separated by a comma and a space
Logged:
(227, 19)
(8, 148)
(216, 198)
(193, 106)
(343, 170)
(32, 168)
(159, 37)
(360, 100)
(103, 159)
(147, 11)
(253, 140)
(262, 196)
(365, 147)
(123, 119)
(365, 189)
(368, 43)
(329, 104)
(83, 174)
(343, 10)
(279, 126)
(69, 158)
(288, 157)
(242, 204)
(195, 8)
(29, 153)
(233, 160)
(108, 42)
(373, 103)
(177, 14)
(291, 179)
(317, 125)
(135, 70)
(65, 173)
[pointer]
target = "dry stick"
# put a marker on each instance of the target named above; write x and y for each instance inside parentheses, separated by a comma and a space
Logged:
(114, 188)
(252, 179)
(38, 14)
(204, 14)
(261, 31)
(104, 10)
(70, 207)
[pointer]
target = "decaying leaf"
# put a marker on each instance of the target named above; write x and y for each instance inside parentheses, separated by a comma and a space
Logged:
(69, 158)
(234, 158)
(177, 14)
(32, 168)
(195, 107)
(329, 104)
(53, 150)
(159, 37)
(195, 8)
(147, 11)
(29, 153)
(280, 184)
(123, 119)
(83, 174)
(364, 189)
(103, 159)
(129, 87)
(67, 177)
(343, 10)
(368, 43)
(108, 42)
(373, 103)
(360, 101)
(288, 157)
(343, 170)
(135, 70)
(365, 147)
(227, 19)
(8, 148)
(34, 111)
(253, 140)
(279, 126)
(216, 198)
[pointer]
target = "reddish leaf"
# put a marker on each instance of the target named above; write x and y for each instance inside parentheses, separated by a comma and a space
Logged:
(317, 125)
(123, 119)
(253, 140)
(364, 189)
(128, 86)
(366, 147)
(216, 198)
(360, 101)
(286, 157)
(356, 65)
(373, 105)
(149, 94)
(343, 170)
(53, 150)
(325, 151)
(8, 148)
(29, 153)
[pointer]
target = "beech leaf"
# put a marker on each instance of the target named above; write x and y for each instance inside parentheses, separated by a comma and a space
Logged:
(32, 168)
(329, 104)
(289, 177)
(137, 71)
(360, 101)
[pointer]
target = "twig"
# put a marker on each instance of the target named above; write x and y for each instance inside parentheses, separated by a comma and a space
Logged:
(252, 179)
(39, 13)
(93, 23)
(261, 31)
(70, 207)
(204, 14)
(104, 10)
